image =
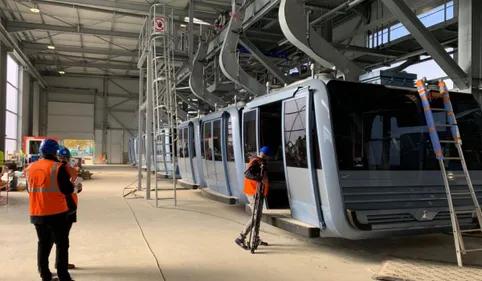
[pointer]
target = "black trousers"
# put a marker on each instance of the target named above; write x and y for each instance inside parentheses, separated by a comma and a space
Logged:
(58, 233)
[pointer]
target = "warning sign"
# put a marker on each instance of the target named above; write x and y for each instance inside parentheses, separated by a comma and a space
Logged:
(159, 24)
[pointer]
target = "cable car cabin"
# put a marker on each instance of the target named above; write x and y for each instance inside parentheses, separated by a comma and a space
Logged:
(356, 159)
(220, 147)
(189, 151)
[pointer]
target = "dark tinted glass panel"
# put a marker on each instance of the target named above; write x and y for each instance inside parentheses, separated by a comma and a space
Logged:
(295, 133)
(315, 146)
(185, 139)
(207, 141)
(202, 142)
(191, 141)
(218, 155)
(229, 138)
(249, 127)
(181, 145)
(378, 128)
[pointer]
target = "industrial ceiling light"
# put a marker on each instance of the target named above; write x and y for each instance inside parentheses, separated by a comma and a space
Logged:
(34, 10)
(196, 21)
(183, 25)
(51, 47)
(61, 72)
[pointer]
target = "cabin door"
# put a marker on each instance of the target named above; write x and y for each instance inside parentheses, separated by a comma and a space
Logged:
(298, 159)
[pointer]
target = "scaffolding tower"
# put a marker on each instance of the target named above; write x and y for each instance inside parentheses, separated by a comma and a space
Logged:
(157, 47)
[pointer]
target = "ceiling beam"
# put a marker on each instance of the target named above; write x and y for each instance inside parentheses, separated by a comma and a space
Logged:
(138, 8)
(18, 26)
(33, 48)
(126, 66)
(10, 42)
(81, 7)
(86, 75)
(428, 41)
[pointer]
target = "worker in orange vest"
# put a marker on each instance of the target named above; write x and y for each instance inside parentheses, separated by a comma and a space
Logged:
(48, 185)
(252, 176)
(64, 156)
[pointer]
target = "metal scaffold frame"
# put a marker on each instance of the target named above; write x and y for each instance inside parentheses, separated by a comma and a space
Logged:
(157, 48)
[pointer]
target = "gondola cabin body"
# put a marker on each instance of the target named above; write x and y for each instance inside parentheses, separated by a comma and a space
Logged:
(220, 151)
(189, 152)
(356, 160)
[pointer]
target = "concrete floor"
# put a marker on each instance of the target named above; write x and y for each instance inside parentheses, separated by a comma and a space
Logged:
(194, 241)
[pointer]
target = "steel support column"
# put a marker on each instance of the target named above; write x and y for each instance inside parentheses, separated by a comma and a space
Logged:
(149, 122)
(105, 117)
(36, 110)
(470, 43)
(270, 66)
(3, 94)
(428, 41)
(296, 27)
(140, 130)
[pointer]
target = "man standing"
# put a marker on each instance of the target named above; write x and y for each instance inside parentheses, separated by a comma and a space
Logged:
(48, 185)
(252, 176)
(64, 156)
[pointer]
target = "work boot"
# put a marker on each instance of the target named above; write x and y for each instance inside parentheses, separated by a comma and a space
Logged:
(263, 243)
(241, 243)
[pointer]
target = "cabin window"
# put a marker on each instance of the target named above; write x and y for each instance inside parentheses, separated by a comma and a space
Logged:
(229, 139)
(207, 141)
(379, 128)
(295, 133)
(315, 145)
(192, 141)
(217, 150)
(249, 134)
(185, 144)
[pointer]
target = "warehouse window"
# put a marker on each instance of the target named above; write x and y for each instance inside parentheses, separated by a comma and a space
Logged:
(429, 18)
(12, 112)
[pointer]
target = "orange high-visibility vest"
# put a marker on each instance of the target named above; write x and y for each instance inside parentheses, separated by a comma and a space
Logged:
(250, 185)
(45, 196)
(73, 176)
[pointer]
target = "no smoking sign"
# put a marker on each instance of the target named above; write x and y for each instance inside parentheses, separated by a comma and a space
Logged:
(159, 24)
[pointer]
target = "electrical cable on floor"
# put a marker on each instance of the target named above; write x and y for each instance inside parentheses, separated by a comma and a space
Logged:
(161, 273)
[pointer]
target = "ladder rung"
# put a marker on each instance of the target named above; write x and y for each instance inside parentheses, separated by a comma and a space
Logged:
(465, 211)
(445, 125)
(438, 109)
(470, 230)
(460, 193)
(452, 158)
(473, 250)
(448, 141)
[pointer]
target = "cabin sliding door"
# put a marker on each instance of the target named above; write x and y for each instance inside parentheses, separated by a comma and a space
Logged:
(297, 158)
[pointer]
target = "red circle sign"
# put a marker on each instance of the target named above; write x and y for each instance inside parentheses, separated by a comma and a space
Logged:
(159, 24)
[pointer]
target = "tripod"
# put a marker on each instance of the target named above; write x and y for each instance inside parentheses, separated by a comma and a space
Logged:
(254, 240)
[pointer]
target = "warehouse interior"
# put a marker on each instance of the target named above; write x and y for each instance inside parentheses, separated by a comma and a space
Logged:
(108, 78)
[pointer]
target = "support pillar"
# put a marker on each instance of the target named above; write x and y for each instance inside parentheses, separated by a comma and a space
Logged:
(139, 130)
(36, 109)
(149, 117)
(3, 94)
(105, 117)
(470, 43)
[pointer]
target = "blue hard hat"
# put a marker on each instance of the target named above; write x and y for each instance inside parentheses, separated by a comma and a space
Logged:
(49, 146)
(63, 152)
(265, 150)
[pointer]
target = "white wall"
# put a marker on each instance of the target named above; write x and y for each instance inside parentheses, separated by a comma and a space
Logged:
(115, 112)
